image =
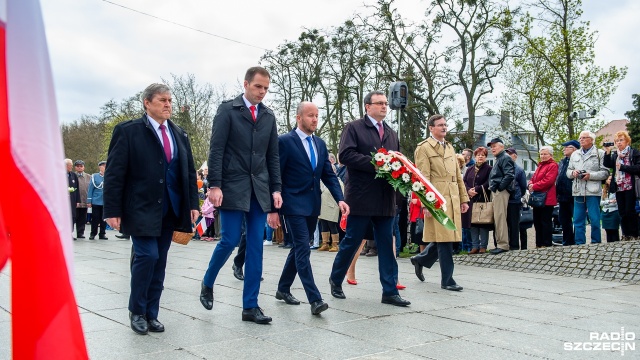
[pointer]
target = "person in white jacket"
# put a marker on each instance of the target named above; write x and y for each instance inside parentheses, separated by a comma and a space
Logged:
(587, 169)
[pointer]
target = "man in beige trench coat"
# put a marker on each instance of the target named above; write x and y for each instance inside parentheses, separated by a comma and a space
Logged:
(436, 159)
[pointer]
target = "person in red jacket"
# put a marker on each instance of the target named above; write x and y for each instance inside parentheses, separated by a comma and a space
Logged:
(544, 180)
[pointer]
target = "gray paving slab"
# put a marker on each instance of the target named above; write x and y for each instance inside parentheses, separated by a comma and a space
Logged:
(500, 314)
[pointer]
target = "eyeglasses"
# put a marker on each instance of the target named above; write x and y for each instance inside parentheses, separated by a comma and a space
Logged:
(380, 103)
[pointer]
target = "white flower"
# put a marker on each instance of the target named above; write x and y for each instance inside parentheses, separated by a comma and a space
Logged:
(430, 196)
(386, 167)
(417, 186)
(406, 177)
(396, 165)
(387, 158)
(378, 156)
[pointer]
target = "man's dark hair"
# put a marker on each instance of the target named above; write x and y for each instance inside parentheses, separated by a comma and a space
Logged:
(432, 120)
(367, 98)
(251, 73)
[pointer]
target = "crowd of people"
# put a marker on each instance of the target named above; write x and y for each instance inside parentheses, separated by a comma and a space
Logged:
(259, 186)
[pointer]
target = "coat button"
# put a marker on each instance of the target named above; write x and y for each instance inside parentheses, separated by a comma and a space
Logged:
(160, 162)
(159, 201)
(161, 181)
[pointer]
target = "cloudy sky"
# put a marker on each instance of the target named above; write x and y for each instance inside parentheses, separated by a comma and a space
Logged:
(101, 51)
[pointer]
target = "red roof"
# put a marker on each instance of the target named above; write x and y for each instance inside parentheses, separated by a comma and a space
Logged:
(610, 129)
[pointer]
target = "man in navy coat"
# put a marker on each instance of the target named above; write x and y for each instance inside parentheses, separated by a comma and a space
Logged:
(150, 190)
(372, 200)
(304, 162)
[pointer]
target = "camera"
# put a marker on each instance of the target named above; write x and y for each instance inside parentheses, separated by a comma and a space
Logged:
(582, 173)
(608, 144)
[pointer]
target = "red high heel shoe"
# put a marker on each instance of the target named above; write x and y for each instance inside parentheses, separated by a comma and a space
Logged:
(400, 287)
(352, 282)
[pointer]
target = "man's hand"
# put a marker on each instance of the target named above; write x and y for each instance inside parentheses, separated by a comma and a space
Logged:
(586, 177)
(277, 200)
(472, 192)
(215, 196)
(273, 220)
(464, 207)
(344, 208)
(114, 223)
(194, 216)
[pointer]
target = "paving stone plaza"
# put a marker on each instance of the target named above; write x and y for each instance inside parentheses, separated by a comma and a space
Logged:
(513, 306)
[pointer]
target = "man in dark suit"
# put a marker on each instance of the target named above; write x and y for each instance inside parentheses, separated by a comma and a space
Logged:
(74, 194)
(304, 161)
(244, 168)
(371, 200)
(150, 191)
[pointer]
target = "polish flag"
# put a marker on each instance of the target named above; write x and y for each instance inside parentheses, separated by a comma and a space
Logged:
(44, 314)
(202, 226)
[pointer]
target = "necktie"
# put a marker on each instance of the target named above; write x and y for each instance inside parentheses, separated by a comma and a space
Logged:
(380, 130)
(253, 112)
(312, 154)
(165, 143)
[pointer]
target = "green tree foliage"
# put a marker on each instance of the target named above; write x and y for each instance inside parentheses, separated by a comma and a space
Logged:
(633, 127)
(558, 53)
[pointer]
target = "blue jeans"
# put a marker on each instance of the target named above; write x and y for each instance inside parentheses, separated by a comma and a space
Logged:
(583, 206)
(466, 239)
(269, 231)
(396, 231)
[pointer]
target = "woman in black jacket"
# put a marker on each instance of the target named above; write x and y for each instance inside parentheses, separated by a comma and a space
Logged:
(625, 163)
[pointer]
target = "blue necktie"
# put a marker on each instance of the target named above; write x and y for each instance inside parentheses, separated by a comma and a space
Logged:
(312, 154)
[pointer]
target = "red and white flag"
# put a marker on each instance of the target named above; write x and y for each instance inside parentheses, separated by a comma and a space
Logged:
(201, 227)
(45, 319)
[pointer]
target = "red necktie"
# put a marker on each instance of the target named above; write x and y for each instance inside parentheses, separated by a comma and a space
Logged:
(380, 130)
(165, 143)
(253, 112)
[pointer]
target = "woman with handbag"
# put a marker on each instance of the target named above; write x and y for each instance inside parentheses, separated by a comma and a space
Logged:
(625, 163)
(543, 185)
(476, 180)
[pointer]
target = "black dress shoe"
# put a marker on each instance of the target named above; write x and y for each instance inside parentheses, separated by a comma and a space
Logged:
(237, 272)
(206, 296)
(256, 315)
(497, 251)
(122, 236)
(318, 306)
(287, 246)
(287, 297)
(80, 236)
(336, 291)
(417, 267)
(155, 326)
(103, 238)
(452, 287)
(139, 324)
(92, 237)
(395, 300)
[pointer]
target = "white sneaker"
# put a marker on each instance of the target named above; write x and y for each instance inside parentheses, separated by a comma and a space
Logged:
(267, 243)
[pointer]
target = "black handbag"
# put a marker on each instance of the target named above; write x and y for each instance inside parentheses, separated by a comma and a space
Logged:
(526, 214)
(537, 199)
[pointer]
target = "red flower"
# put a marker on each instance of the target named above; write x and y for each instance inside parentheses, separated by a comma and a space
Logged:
(383, 150)
(437, 205)
(380, 163)
(396, 174)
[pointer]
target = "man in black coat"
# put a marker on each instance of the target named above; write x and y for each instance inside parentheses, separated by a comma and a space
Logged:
(150, 191)
(370, 200)
(74, 194)
(564, 194)
(244, 182)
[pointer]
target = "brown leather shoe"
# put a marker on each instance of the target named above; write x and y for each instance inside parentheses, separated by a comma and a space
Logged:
(324, 247)
(483, 250)
(473, 251)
